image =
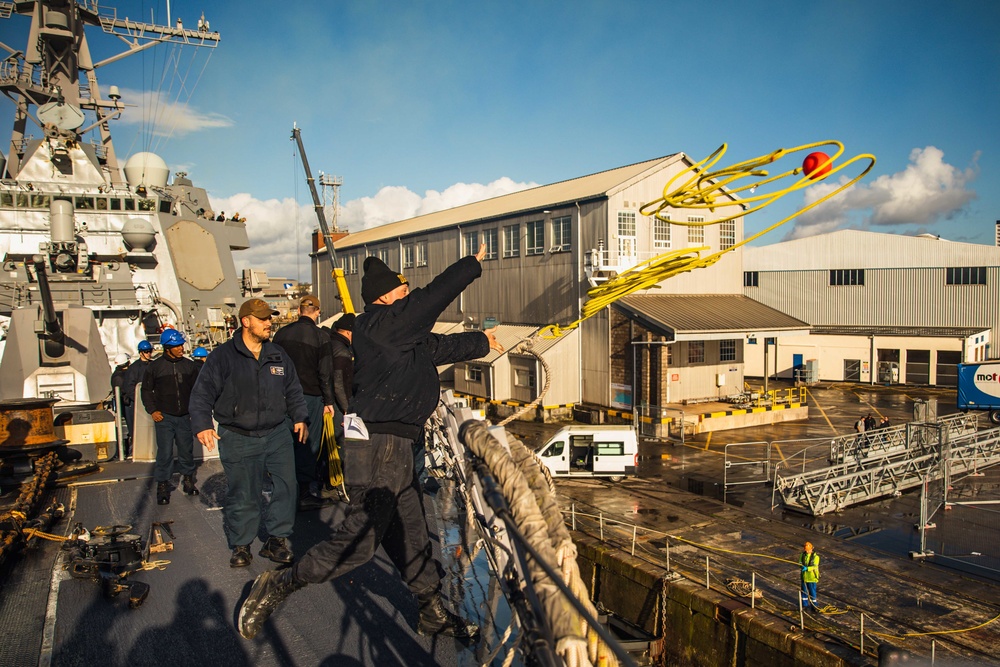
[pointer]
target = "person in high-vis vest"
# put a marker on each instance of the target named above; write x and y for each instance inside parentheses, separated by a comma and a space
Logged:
(809, 562)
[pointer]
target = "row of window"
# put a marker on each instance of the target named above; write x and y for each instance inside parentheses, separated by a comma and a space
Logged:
(83, 203)
(662, 233)
(967, 275)
(506, 240)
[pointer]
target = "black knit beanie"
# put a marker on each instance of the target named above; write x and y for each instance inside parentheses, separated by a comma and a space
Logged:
(345, 323)
(379, 279)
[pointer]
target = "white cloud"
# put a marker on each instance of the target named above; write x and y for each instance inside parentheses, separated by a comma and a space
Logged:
(927, 191)
(280, 230)
(167, 118)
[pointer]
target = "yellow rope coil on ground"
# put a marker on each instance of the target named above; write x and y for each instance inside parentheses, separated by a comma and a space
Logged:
(706, 189)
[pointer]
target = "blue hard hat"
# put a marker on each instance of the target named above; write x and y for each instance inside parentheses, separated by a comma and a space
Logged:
(199, 352)
(145, 346)
(172, 338)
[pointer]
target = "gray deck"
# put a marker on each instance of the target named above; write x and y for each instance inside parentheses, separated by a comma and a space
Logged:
(365, 618)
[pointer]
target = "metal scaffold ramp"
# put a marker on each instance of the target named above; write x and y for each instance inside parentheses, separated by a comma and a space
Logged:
(886, 463)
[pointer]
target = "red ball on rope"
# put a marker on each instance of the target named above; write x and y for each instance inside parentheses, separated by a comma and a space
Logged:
(814, 160)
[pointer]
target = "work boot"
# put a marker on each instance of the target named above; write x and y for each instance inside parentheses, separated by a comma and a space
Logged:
(241, 556)
(308, 501)
(187, 483)
(276, 550)
(269, 590)
(163, 493)
(435, 619)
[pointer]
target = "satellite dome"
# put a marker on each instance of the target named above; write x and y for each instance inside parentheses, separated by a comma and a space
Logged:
(147, 169)
(138, 234)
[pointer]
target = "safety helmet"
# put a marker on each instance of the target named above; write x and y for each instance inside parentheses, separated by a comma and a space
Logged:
(199, 352)
(172, 338)
(121, 359)
(145, 346)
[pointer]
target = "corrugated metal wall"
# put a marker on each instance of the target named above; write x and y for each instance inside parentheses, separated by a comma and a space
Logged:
(889, 297)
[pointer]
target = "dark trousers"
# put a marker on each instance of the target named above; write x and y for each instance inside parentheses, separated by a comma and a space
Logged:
(173, 430)
(128, 411)
(246, 459)
(306, 454)
(386, 509)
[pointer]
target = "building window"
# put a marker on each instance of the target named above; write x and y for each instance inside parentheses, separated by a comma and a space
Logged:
(352, 263)
(421, 253)
(473, 373)
(670, 355)
(727, 350)
(524, 377)
(727, 234)
(470, 243)
(561, 230)
(626, 233)
(696, 234)
(511, 243)
(841, 277)
(408, 256)
(661, 233)
(490, 239)
(966, 275)
(751, 279)
(383, 254)
(696, 352)
(534, 237)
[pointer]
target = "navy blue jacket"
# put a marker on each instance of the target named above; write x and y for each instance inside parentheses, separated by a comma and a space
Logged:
(308, 346)
(396, 385)
(249, 395)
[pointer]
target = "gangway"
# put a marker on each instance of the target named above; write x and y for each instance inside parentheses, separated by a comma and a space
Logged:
(879, 443)
(932, 452)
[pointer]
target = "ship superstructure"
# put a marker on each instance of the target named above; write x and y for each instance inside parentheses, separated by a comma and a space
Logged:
(138, 250)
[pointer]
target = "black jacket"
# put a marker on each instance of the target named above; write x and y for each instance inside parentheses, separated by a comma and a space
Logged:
(167, 384)
(248, 394)
(133, 376)
(343, 370)
(396, 386)
(308, 347)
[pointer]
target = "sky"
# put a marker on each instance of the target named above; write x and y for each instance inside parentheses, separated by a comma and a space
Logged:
(420, 106)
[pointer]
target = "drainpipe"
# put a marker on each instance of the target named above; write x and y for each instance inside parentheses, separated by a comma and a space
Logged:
(578, 260)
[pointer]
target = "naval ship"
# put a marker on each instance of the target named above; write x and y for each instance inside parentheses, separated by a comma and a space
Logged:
(97, 254)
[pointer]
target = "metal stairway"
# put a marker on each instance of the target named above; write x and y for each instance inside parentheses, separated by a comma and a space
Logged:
(905, 458)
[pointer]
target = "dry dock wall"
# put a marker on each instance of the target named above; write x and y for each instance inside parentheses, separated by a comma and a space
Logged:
(695, 626)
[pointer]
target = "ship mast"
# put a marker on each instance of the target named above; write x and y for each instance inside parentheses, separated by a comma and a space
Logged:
(44, 80)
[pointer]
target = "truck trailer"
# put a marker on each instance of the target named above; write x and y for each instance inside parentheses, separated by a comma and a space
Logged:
(979, 388)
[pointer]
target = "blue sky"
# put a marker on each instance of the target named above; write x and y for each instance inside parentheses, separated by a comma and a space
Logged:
(421, 105)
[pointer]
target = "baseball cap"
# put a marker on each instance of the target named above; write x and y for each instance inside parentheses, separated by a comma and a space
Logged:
(309, 300)
(258, 308)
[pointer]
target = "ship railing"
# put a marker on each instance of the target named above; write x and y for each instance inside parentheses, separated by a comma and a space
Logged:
(139, 30)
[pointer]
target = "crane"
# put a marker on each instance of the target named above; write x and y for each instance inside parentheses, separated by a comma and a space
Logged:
(337, 272)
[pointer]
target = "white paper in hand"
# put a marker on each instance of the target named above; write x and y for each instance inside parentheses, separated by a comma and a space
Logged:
(354, 428)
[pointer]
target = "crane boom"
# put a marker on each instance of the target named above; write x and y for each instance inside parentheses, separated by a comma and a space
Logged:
(337, 272)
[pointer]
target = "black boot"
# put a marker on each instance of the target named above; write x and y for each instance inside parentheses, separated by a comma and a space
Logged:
(276, 550)
(187, 483)
(435, 619)
(269, 590)
(163, 493)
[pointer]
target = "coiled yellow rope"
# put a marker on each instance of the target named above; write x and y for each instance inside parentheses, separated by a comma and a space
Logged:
(706, 189)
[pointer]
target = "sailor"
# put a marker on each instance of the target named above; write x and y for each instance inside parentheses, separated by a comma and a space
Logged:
(199, 354)
(166, 391)
(308, 346)
(396, 390)
(343, 372)
(250, 385)
(132, 378)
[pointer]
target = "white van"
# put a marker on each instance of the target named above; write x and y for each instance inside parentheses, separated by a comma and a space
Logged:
(592, 451)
